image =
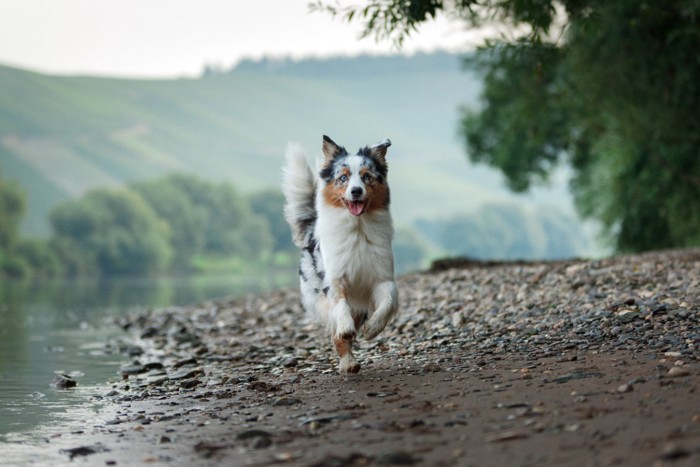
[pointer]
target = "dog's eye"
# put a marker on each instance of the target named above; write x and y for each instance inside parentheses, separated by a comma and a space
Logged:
(366, 178)
(343, 178)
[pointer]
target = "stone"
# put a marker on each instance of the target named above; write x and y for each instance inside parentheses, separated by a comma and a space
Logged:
(63, 382)
(677, 371)
(285, 401)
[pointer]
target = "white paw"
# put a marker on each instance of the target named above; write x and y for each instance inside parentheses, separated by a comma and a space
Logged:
(348, 364)
(372, 329)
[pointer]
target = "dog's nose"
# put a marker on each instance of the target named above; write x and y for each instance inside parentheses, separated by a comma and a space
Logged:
(356, 192)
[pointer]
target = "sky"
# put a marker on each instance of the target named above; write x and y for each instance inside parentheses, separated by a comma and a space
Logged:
(173, 38)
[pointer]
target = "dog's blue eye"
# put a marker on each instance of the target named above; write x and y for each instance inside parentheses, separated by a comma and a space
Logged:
(366, 178)
(343, 178)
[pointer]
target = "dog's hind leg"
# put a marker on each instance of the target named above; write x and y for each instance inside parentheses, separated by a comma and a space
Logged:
(386, 303)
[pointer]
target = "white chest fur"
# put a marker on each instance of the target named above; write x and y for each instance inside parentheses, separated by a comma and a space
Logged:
(356, 250)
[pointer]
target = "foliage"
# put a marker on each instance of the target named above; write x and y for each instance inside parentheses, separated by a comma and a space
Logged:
(268, 204)
(40, 258)
(111, 231)
(222, 213)
(388, 19)
(173, 204)
(206, 217)
(398, 19)
(13, 203)
(20, 258)
(155, 226)
(611, 88)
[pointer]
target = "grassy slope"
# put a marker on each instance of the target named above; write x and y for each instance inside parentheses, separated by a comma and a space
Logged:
(61, 136)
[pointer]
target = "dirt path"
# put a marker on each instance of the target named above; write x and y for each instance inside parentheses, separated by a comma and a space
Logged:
(570, 363)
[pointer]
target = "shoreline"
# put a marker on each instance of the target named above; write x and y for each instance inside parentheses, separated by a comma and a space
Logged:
(549, 363)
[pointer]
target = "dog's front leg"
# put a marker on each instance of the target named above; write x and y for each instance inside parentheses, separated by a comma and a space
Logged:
(386, 303)
(343, 330)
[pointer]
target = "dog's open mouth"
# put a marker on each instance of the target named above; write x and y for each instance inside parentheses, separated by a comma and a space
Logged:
(356, 208)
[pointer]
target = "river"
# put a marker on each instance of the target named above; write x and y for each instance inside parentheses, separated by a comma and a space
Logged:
(62, 327)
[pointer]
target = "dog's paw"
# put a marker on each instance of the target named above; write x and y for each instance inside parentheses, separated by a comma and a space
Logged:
(372, 329)
(348, 365)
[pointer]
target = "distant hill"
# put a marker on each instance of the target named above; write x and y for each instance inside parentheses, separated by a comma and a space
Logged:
(61, 136)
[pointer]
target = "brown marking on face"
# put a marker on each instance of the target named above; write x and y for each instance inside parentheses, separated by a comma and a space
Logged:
(334, 191)
(377, 192)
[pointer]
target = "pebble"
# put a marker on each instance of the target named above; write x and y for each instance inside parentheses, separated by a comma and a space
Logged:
(290, 363)
(84, 451)
(207, 449)
(563, 308)
(396, 458)
(506, 436)
(132, 370)
(258, 439)
(453, 320)
(285, 401)
(677, 371)
(63, 382)
(673, 451)
(186, 373)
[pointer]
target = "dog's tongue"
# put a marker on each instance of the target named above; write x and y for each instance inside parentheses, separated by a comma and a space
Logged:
(356, 207)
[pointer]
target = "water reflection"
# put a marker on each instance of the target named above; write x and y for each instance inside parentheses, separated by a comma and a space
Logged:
(59, 327)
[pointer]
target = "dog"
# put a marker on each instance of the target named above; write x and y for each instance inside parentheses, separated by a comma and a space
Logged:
(341, 222)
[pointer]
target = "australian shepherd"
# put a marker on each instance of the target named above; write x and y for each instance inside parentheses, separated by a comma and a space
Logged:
(340, 220)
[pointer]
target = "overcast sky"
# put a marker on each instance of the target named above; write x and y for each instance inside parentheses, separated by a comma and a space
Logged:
(142, 38)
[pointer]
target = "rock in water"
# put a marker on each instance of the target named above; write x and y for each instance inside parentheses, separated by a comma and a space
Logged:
(63, 382)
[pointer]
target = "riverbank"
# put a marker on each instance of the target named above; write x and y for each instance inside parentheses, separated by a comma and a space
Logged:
(564, 363)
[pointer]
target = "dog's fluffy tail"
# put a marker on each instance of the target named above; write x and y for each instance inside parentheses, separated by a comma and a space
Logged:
(299, 187)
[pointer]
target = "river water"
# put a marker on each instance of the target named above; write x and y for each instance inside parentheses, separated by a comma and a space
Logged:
(61, 327)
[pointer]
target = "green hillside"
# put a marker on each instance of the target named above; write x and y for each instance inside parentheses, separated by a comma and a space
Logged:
(61, 136)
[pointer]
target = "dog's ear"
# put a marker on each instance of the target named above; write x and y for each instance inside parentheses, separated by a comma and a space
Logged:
(330, 149)
(379, 149)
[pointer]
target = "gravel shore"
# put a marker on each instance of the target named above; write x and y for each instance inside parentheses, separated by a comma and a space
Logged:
(551, 363)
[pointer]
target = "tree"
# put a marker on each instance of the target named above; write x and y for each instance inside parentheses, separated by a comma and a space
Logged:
(13, 204)
(40, 258)
(610, 88)
(174, 204)
(111, 231)
(269, 204)
(207, 218)
(224, 213)
(21, 258)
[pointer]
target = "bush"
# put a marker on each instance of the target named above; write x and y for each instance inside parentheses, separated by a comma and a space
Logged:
(113, 231)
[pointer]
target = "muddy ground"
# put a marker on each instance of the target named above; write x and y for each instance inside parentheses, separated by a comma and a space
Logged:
(542, 364)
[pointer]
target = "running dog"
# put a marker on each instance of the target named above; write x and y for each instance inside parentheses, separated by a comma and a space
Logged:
(341, 222)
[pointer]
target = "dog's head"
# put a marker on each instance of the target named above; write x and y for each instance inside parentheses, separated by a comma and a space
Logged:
(355, 182)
